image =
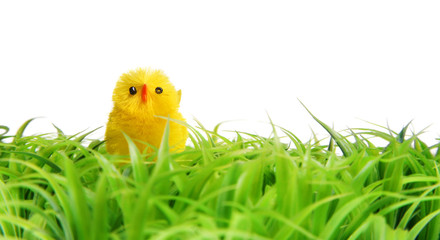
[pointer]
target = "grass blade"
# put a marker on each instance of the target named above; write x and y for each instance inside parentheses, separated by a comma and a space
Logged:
(345, 146)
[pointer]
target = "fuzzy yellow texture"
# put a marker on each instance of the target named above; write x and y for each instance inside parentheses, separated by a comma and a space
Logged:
(139, 119)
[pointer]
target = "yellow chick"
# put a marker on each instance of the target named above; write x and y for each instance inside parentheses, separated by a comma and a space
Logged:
(139, 97)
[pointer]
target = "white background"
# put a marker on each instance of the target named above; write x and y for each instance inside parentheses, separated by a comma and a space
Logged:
(377, 61)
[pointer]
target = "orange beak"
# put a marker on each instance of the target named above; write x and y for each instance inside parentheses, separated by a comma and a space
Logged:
(144, 93)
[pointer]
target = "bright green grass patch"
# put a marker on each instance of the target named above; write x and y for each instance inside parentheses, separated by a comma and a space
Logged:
(250, 187)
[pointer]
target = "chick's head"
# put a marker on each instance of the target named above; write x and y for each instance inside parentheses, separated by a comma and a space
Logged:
(145, 92)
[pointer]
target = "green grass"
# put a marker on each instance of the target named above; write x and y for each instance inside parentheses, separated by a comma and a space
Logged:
(55, 186)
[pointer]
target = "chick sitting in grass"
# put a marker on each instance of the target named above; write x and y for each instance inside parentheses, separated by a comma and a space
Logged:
(139, 98)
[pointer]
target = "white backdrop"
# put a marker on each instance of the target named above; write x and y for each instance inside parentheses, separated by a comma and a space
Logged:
(346, 60)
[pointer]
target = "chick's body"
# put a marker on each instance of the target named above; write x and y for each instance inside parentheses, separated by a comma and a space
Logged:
(139, 97)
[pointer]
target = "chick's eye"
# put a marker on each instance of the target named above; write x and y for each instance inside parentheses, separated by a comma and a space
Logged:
(133, 90)
(159, 90)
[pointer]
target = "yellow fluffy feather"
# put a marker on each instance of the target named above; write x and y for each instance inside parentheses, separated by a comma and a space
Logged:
(140, 96)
